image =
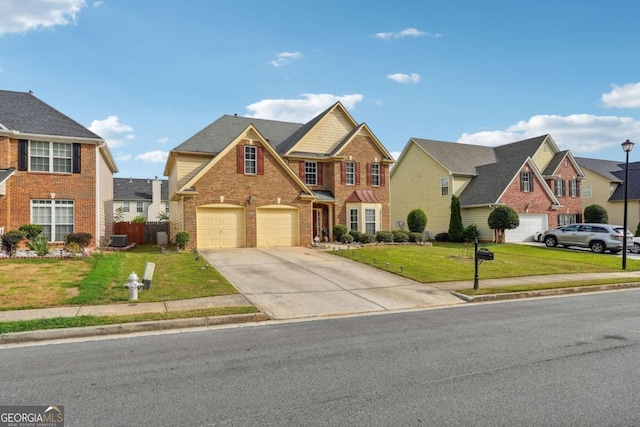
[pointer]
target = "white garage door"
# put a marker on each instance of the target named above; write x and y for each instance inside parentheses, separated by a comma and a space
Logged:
(220, 228)
(529, 224)
(278, 227)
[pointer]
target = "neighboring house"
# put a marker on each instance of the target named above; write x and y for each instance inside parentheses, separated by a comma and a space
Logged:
(53, 171)
(536, 179)
(146, 197)
(604, 186)
(251, 182)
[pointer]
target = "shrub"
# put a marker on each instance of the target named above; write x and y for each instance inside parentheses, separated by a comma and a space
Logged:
(182, 238)
(40, 245)
(470, 233)
(384, 236)
(415, 237)
(11, 239)
(417, 221)
(72, 248)
(456, 229)
(400, 236)
(81, 239)
(596, 213)
(503, 218)
(367, 238)
(31, 231)
(346, 238)
(140, 219)
(356, 235)
(442, 237)
(339, 230)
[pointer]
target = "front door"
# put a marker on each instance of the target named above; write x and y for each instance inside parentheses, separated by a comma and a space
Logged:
(317, 223)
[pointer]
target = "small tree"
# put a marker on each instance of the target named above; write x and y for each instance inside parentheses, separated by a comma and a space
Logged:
(162, 216)
(118, 216)
(503, 218)
(417, 221)
(596, 214)
(456, 229)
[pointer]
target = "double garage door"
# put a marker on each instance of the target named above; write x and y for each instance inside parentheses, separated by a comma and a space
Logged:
(529, 224)
(226, 227)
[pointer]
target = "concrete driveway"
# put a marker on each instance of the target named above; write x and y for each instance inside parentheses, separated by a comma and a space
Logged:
(294, 282)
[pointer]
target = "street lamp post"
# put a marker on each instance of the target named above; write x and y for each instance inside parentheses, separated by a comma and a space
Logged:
(627, 146)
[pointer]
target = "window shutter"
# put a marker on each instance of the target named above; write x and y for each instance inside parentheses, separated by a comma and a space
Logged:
(521, 181)
(343, 172)
(531, 179)
(76, 158)
(23, 154)
(240, 158)
(382, 173)
(301, 171)
(368, 173)
(260, 161)
(319, 171)
(357, 169)
(564, 188)
(577, 188)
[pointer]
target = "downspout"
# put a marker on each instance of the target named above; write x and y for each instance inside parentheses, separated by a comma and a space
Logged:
(97, 234)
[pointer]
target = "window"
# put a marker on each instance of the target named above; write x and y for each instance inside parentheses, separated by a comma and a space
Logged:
(574, 188)
(565, 219)
(560, 190)
(311, 173)
(353, 219)
(586, 192)
(139, 207)
(526, 182)
(166, 207)
(444, 186)
(126, 207)
(350, 170)
(50, 156)
(250, 160)
(375, 174)
(55, 216)
(370, 221)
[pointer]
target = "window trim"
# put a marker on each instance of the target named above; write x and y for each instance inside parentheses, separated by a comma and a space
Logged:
(375, 174)
(139, 207)
(444, 186)
(51, 157)
(350, 176)
(368, 221)
(308, 173)
(55, 222)
(353, 223)
(250, 164)
(126, 206)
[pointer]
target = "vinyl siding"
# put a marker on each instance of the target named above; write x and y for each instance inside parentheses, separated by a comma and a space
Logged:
(326, 135)
(105, 197)
(479, 217)
(187, 167)
(542, 157)
(459, 183)
(176, 218)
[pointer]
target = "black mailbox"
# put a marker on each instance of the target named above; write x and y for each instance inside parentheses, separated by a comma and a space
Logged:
(484, 254)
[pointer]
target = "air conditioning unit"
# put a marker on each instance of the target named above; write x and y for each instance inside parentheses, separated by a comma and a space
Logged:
(119, 240)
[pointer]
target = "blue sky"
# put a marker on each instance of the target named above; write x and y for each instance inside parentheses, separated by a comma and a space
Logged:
(148, 74)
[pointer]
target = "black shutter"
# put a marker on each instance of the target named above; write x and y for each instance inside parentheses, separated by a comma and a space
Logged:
(531, 179)
(23, 154)
(522, 181)
(76, 158)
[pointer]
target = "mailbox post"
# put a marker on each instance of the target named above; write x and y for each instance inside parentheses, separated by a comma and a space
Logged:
(479, 256)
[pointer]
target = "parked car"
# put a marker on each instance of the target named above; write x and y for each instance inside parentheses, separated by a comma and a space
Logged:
(597, 237)
(537, 236)
(636, 245)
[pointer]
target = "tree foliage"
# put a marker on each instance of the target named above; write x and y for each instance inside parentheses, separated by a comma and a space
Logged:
(596, 213)
(503, 218)
(417, 221)
(456, 229)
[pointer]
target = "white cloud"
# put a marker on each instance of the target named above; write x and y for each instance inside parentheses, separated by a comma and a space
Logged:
(395, 154)
(111, 130)
(627, 96)
(407, 32)
(163, 140)
(285, 58)
(21, 16)
(413, 78)
(155, 156)
(300, 110)
(123, 157)
(580, 133)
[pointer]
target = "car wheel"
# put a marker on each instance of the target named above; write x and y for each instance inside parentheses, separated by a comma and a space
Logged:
(635, 248)
(550, 241)
(597, 247)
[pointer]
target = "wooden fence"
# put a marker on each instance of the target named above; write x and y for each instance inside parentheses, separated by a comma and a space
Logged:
(141, 233)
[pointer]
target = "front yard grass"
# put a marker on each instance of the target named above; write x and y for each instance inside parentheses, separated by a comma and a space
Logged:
(444, 262)
(99, 279)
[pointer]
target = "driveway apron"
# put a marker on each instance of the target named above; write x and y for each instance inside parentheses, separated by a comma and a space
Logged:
(295, 282)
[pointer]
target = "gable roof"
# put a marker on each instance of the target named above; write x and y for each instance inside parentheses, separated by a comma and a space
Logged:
(634, 184)
(138, 189)
(520, 149)
(455, 157)
(604, 168)
(21, 112)
(556, 161)
(5, 174)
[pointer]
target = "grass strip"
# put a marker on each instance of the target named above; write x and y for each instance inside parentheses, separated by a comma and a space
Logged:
(80, 321)
(542, 286)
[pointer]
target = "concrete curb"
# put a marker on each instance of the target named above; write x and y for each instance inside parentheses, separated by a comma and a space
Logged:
(546, 292)
(129, 328)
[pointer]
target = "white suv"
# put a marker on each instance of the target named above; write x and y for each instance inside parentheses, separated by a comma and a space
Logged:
(597, 237)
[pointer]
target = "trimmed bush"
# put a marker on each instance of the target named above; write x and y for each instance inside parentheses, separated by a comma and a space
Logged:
(417, 221)
(182, 238)
(11, 239)
(456, 229)
(442, 237)
(40, 245)
(339, 230)
(400, 236)
(503, 218)
(82, 239)
(346, 238)
(415, 237)
(356, 235)
(367, 238)
(596, 213)
(31, 231)
(384, 236)
(470, 233)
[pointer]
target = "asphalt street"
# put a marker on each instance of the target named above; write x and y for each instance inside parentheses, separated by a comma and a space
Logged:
(551, 361)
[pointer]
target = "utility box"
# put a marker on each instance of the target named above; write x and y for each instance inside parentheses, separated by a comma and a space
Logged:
(162, 238)
(484, 254)
(119, 240)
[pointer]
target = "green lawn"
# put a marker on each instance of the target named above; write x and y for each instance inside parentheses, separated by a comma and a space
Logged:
(445, 262)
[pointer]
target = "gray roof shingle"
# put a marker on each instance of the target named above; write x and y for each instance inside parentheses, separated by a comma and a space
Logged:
(634, 183)
(138, 189)
(606, 168)
(458, 158)
(554, 163)
(23, 112)
(491, 181)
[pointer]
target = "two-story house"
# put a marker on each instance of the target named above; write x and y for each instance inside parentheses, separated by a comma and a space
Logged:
(53, 171)
(140, 197)
(536, 179)
(246, 182)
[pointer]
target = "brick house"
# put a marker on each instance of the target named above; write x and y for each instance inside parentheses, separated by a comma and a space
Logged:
(536, 179)
(246, 182)
(53, 171)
